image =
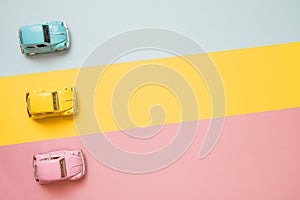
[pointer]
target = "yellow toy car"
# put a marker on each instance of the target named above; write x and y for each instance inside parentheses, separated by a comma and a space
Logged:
(57, 102)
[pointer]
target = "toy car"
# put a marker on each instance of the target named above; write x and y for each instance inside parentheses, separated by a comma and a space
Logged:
(44, 38)
(59, 165)
(51, 103)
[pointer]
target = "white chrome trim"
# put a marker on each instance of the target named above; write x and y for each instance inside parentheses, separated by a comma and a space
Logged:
(75, 111)
(35, 170)
(83, 163)
(68, 35)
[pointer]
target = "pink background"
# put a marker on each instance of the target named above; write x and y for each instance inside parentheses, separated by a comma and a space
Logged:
(257, 157)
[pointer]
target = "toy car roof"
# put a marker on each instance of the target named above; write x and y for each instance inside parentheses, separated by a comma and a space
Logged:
(33, 34)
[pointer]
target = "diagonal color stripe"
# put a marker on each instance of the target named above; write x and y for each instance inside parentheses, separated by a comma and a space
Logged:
(220, 25)
(257, 157)
(255, 80)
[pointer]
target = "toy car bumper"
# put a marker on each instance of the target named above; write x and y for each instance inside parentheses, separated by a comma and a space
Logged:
(68, 35)
(83, 163)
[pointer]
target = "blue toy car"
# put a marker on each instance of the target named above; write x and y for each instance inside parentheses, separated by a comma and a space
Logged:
(44, 38)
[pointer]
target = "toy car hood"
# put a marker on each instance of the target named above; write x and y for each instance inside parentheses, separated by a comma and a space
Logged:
(67, 100)
(75, 166)
(58, 32)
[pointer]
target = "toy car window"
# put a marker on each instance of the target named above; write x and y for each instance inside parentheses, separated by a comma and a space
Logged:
(35, 172)
(28, 103)
(30, 47)
(55, 100)
(41, 45)
(46, 33)
(54, 158)
(63, 170)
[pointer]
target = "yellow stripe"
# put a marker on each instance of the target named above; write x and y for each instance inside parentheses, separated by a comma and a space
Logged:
(255, 80)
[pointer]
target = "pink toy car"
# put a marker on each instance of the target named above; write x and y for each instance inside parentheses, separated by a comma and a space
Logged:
(59, 165)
